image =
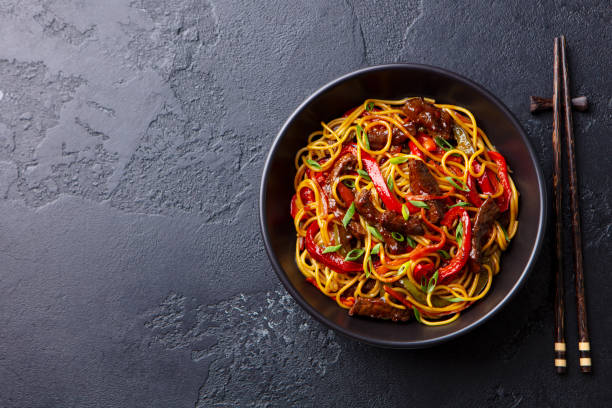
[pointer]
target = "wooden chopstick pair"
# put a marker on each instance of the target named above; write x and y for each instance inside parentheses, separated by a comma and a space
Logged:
(561, 99)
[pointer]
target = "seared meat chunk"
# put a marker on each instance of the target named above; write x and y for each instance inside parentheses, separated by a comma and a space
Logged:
(353, 227)
(379, 309)
(345, 163)
(395, 222)
(423, 114)
(377, 136)
(393, 247)
(365, 208)
(422, 182)
(485, 218)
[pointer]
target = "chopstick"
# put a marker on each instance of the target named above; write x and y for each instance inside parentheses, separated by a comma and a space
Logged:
(584, 345)
(560, 347)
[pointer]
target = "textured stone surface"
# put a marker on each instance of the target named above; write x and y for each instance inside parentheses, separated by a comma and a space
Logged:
(132, 138)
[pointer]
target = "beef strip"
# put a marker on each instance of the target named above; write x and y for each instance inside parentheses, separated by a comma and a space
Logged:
(422, 182)
(379, 309)
(395, 222)
(353, 227)
(485, 218)
(345, 163)
(423, 114)
(377, 136)
(393, 247)
(365, 208)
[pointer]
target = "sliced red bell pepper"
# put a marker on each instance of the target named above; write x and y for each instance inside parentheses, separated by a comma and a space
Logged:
(484, 181)
(472, 195)
(371, 167)
(427, 142)
(333, 260)
(503, 201)
(307, 195)
(415, 150)
(422, 271)
(346, 194)
(398, 297)
(450, 271)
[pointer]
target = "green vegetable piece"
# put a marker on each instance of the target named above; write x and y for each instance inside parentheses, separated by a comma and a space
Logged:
(461, 187)
(364, 174)
(444, 254)
(375, 233)
(405, 212)
(397, 236)
(349, 183)
(460, 204)
(314, 164)
(444, 145)
(417, 314)
(463, 140)
(375, 250)
(354, 254)
(410, 242)
(349, 215)
(332, 249)
(419, 204)
(433, 281)
(459, 233)
(390, 182)
(398, 160)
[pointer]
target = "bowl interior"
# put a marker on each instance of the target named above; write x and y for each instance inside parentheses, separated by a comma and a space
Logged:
(396, 82)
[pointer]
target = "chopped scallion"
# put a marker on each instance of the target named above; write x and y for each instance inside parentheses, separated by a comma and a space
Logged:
(375, 233)
(405, 212)
(349, 215)
(332, 249)
(314, 164)
(419, 204)
(354, 254)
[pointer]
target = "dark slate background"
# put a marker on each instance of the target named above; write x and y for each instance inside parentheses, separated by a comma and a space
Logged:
(132, 138)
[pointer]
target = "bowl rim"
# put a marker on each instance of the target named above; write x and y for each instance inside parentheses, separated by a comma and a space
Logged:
(434, 340)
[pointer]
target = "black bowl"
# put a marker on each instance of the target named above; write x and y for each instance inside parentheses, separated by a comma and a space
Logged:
(395, 82)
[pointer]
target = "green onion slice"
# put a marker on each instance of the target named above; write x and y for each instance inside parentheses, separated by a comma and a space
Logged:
(364, 174)
(390, 182)
(397, 236)
(314, 164)
(443, 144)
(405, 212)
(444, 254)
(332, 249)
(349, 215)
(419, 204)
(460, 204)
(375, 250)
(433, 281)
(349, 183)
(354, 254)
(410, 242)
(505, 234)
(375, 233)
(398, 160)
(459, 234)
(417, 314)
(461, 187)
